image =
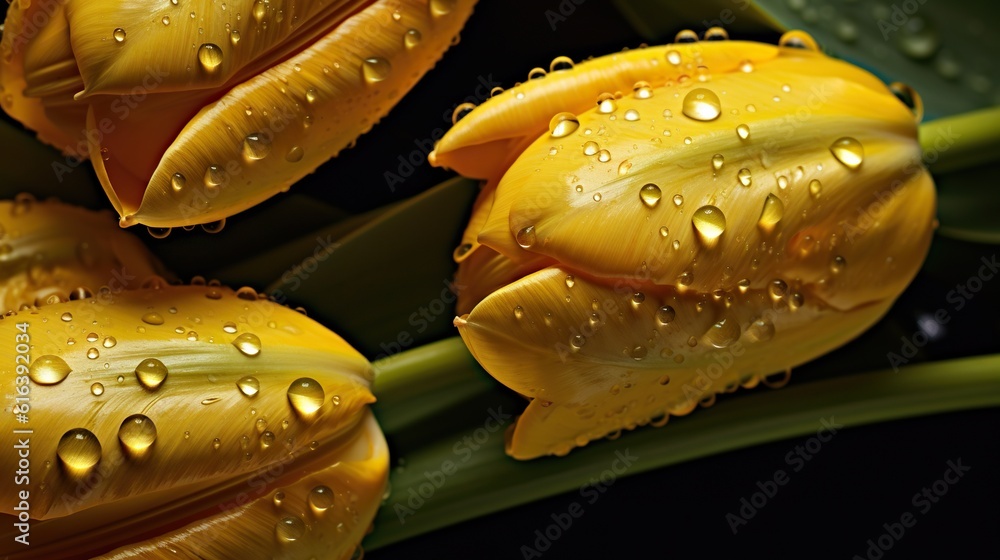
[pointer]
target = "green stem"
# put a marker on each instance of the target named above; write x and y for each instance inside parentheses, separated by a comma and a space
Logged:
(487, 480)
(961, 141)
(414, 385)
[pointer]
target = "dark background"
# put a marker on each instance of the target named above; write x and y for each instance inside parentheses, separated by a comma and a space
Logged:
(861, 479)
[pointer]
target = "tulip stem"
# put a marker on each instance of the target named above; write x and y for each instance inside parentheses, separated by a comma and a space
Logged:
(961, 141)
(486, 480)
(413, 385)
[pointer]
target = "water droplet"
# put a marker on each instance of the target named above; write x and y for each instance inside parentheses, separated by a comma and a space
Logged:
(665, 314)
(746, 66)
(678, 200)
(686, 36)
(320, 498)
(710, 222)
(256, 146)
(48, 370)
(109, 342)
(848, 151)
(570, 281)
(815, 188)
(577, 341)
(526, 237)
(743, 131)
(597, 197)
(777, 289)
(685, 279)
(210, 56)
(650, 195)
(673, 57)
(631, 115)
(412, 38)
(604, 156)
(290, 529)
(798, 40)
(137, 433)
(590, 148)
(159, 232)
(563, 124)
(909, 97)
(152, 318)
(67, 317)
(442, 7)
(165, 20)
(259, 9)
(79, 449)
(93, 353)
(248, 344)
(461, 111)
(642, 90)
(216, 444)
(536, 73)
(718, 161)
(716, 34)
(97, 389)
(518, 312)
(248, 385)
(744, 177)
(760, 330)
(771, 213)
(917, 38)
(606, 104)
(177, 182)
(375, 69)
(723, 333)
(119, 35)
(294, 154)
(837, 264)
(306, 395)
(151, 373)
(234, 37)
(702, 104)
(638, 352)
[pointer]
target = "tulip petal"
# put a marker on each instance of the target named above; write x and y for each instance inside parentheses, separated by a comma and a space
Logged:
(482, 141)
(769, 197)
(594, 361)
(194, 120)
(235, 387)
(51, 251)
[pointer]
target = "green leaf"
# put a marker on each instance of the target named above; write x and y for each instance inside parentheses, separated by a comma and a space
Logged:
(961, 141)
(486, 480)
(386, 286)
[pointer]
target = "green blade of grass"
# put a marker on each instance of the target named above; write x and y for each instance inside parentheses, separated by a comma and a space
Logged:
(485, 480)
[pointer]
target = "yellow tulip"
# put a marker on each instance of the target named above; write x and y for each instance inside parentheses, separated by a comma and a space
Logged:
(53, 252)
(186, 420)
(665, 224)
(193, 112)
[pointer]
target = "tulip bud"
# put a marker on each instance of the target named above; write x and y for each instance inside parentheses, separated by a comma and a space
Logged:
(665, 224)
(188, 420)
(53, 252)
(193, 113)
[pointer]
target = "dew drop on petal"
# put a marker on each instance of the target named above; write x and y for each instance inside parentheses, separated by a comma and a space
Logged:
(563, 124)
(702, 104)
(848, 151)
